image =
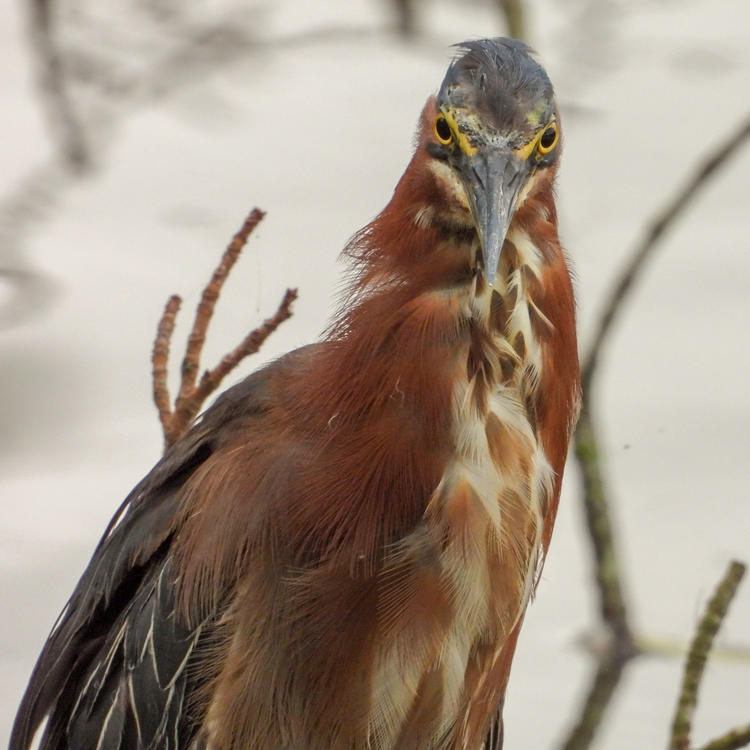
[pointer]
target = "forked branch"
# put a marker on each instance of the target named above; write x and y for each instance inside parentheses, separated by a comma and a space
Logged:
(708, 627)
(193, 393)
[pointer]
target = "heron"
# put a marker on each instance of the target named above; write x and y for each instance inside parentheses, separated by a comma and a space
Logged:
(339, 552)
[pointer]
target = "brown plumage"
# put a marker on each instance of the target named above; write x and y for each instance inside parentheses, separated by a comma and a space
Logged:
(339, 554)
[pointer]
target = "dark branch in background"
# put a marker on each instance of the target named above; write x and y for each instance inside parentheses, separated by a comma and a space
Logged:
(71, 72)
(53, 86)
(27, 291)
(193, 393)
(645, 248)
(512, 11)
(405, 15)
(733, 740)
(603, 686)
(65, 72)
(612, 604)
(695, 661)
(620, 647)
(202, 49)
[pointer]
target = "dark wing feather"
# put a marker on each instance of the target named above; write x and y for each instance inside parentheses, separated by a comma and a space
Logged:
(129, 696)
(113, 673)
(494, 738)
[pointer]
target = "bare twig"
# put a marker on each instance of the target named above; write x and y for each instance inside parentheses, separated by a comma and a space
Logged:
(732, 740)
(621, 646)
(250, 345)
(611, 598)
(697, 656)
(191, 396)
(190, 363)
(160, 359)
(595, 497)
(663, 221)
(603, 686)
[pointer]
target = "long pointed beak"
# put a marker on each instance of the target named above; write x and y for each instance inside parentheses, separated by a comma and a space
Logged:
(493, 183)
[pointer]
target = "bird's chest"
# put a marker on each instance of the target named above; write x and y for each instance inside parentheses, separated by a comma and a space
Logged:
(489, 510)
(491, 500)
(474, 557)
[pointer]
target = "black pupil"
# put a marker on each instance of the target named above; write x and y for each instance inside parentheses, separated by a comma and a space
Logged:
(548, 138)
(443, 131)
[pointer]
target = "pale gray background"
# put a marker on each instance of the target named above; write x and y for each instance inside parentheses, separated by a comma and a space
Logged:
(316, 130)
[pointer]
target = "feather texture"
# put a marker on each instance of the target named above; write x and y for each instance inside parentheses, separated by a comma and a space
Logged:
(339, 554)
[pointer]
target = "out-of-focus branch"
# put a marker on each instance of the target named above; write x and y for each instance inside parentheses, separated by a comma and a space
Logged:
(603, 686)
(659, 226)
(27, 291)
(60, 113)
(191, 397)
(405, 14)
(620, 647)
(189, 49)
(598, 519)
(696, 659)
(595, 496)
(512, 10)
(732, 740)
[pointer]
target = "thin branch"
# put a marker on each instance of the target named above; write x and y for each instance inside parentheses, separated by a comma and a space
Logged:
(595, 496)
(732, 740)
(513, 13)
(621, 647)
(405, 15)
(663, 221)
(190, 364)
(191, 397)
(697, 656)
(189, 404)
(160, 360)
(250, 345)
(598, 519)
(603, 685)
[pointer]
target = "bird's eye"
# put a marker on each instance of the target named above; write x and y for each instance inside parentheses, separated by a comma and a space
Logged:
(548, 140)
(443, 130)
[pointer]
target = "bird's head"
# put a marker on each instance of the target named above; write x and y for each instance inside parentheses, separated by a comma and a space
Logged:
(495, 130)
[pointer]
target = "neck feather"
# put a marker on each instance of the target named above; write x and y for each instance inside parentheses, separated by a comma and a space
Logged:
(418, 320)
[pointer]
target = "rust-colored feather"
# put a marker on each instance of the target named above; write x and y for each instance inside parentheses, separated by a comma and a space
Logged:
(339, 554)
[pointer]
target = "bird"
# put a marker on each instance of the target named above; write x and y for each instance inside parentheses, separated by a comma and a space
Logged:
(339, 552)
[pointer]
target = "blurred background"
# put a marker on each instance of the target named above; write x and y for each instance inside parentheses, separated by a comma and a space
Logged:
(135, 137)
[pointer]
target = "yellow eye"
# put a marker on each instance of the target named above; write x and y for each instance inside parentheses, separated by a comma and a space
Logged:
(443, 131)
(548, 140)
